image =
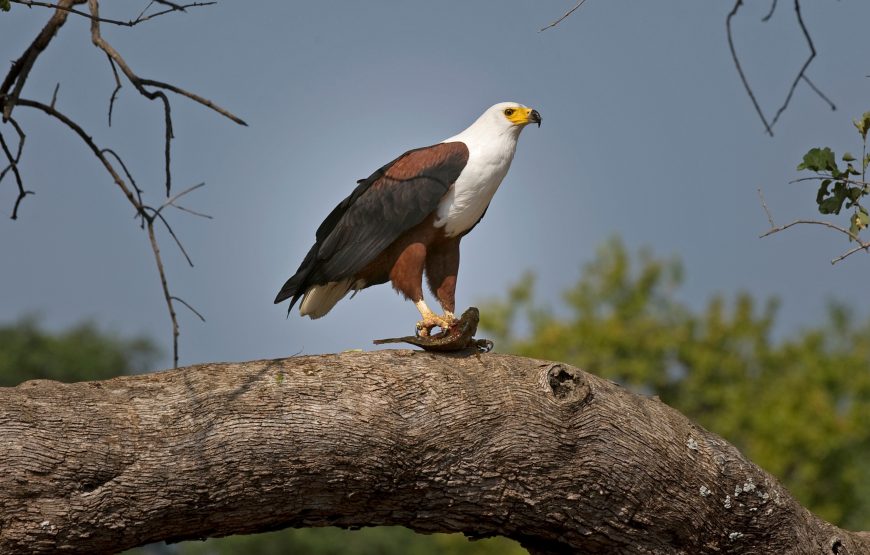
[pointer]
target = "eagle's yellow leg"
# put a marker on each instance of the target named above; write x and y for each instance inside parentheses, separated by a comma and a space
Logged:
(431, 320)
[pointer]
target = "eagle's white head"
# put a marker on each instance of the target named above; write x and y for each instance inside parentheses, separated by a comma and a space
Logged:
(512, 114)
(505, 119)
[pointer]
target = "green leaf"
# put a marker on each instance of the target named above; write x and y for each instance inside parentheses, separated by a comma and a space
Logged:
(5, 6)
(859, 220)
(819, 159)
(847, 157)
(823, 191)
(854, 193)
(863, 125)
(853, 226)
(830, 206)
(834, 203)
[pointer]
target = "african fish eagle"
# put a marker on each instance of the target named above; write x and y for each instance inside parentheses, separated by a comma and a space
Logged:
(408, 218)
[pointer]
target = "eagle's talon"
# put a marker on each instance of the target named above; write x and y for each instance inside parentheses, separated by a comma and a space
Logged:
(431, 321)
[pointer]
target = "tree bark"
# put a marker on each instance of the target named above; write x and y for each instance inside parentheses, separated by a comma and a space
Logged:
(541, 452)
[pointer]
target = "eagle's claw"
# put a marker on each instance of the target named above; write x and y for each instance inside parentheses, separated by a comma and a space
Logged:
(430, 321)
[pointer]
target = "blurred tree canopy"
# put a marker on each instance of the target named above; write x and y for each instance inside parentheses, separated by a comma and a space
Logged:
(797, 406)
(82, 352)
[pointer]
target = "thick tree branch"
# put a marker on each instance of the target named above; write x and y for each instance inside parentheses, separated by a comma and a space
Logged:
(541, 452)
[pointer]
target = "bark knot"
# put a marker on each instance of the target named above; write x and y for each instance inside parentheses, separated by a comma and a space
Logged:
(567, 383)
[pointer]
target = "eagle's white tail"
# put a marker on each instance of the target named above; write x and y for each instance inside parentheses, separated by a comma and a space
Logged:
(320, 299)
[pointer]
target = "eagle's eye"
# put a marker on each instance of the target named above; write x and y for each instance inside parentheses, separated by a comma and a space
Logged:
(509, 112)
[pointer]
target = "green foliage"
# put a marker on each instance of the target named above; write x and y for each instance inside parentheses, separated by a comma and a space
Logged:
(5, 5)
(382, 540)
(849, 184)
(80, 353)
(798, 407)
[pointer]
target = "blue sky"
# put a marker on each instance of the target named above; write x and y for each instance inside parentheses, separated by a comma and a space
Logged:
(647, 134)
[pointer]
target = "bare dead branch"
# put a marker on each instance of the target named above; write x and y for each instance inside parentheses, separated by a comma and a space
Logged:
(739, 67)
(147, 213)
(13, 165)
(134, 79)
(766, 209)
(800, 76)
(77, 129)
(194, 212)
(850, 252)
(140, 85)
(190, 308)
(819, 92)
(171, 201)
(803, 70)
(857, 182)
(139, 213)
(10, 96)
(195, 97)
(117, 86)
(568, 13)
(766, 18)
(155, 248)
(128, 23)
(156, 214)
(54, 95)
(20, 69)
(862, 245)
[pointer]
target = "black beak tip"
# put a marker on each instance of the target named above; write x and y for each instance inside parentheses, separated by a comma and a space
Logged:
(536, 117)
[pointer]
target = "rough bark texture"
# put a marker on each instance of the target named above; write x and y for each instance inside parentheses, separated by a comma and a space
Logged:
(487, 444)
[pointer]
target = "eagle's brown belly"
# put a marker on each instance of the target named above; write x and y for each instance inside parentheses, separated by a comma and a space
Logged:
(423, 248)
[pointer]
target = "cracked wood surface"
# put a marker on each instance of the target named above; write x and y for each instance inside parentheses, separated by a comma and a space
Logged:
(485, 444)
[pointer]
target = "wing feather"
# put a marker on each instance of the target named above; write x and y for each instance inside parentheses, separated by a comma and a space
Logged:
(392, 200)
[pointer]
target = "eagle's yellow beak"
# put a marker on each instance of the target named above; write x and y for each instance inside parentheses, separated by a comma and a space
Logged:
(525, 116)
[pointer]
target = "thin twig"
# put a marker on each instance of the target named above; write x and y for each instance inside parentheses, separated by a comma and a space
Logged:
(117, 86)
(568, 13)
(21, 139)
(101, 43)
(195, 97)
(140, 204)
(185, 303)
(20, 69)
(163, 283)
(813, 222)
(828, 177)
(10, 97)
(862, 245)
(819, 92)
(128, 23)
(54, 95)
(171, 201)
(194, 212)
(766, 18)
(736, 59)
(13, 164)
(77, 129)
(766, 209)
(802, 72)
(158, 215)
